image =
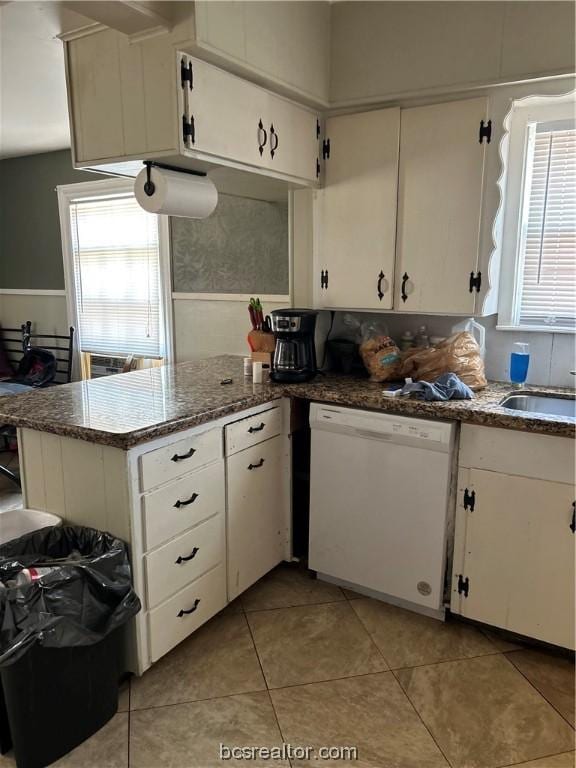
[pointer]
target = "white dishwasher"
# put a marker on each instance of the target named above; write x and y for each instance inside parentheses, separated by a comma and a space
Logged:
(379, 500)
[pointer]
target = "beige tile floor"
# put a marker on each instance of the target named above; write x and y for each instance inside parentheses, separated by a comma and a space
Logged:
(298, 661)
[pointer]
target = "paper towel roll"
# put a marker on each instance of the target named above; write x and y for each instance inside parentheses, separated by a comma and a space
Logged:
(176, 193)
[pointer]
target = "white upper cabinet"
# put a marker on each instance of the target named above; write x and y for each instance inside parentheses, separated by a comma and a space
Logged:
(230, 118)
(223, 113)
(439, 207)
(147, 101)
(356, 211)
(236, 120)
(285, 45)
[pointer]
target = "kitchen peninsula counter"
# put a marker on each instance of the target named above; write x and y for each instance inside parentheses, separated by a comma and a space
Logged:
(128, 409)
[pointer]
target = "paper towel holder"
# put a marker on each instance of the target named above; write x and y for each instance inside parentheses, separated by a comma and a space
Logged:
(150, 187)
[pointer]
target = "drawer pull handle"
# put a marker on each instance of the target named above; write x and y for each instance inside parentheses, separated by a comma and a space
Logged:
(259, 428)
(255, 466)
(191, 500)
(191, 556)
(573, 523)
(191, 610)
(182, 456)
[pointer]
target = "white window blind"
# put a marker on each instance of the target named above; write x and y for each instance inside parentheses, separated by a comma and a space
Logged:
(117, 277)
(547, 275)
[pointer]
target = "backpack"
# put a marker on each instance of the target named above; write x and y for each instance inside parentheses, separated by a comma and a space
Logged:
(36, 368)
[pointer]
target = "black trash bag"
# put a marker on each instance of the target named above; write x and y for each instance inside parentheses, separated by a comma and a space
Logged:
(87, 596)
(36, 368)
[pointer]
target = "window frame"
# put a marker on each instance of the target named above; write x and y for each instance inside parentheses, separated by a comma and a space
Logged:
(539, 109)
(66, 194)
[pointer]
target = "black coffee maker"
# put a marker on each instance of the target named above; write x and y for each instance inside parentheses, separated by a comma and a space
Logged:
(295, 353)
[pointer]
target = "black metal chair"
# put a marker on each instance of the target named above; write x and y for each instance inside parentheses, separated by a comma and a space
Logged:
(17, 341)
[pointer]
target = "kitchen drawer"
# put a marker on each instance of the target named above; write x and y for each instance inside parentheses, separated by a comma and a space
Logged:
(174, 508)
(179, 458)
(169, 624)
(182, 560)
(257, 513)
(242, 434)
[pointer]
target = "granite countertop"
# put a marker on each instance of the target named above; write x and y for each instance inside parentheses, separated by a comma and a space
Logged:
(132, 408)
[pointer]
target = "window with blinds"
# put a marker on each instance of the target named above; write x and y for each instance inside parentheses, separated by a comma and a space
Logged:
(117, 277)
(546, 286)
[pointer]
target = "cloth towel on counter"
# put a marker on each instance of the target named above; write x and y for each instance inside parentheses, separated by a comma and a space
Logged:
(446, 387)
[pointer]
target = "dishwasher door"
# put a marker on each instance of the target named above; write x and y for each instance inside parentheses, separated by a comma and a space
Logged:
(380, 489)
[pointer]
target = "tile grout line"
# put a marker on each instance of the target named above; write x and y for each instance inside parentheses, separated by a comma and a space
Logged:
(297, 605)
(266, 684)
(420, 718)
(544, 757)
(542, 696)
(200, 701)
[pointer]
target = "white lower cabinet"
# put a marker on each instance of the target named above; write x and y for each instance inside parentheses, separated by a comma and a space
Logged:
(187, 610)
(256, 527)
(182, 560)
(514, 548)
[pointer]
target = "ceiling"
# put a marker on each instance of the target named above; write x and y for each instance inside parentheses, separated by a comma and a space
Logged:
(33, 109)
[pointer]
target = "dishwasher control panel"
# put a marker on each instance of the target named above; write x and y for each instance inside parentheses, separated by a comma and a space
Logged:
(437, 435)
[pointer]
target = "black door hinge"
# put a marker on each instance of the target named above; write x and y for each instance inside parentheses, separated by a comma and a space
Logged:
(188, 129)
(475, 281)
(469, 499)
(326, 149)
(317, 129)
(463, 585)
(324, 278)
(485, 131)
(573, 521)
(186, 75)
(317, 168)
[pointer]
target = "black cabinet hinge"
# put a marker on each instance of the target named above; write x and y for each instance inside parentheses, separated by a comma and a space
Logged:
(485, 131)
(188, 129)
(469, 499)
(326, 149)
(186, 75)
(317, 129)
(475, 281)
(317, 168)
(324, 278)
(463, 585)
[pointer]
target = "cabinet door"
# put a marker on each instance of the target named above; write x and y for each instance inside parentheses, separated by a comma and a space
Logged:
(256, 526)
(518, 555)
(439, 205)
(292, 139)
(356, 211)
(95, 92)
(226, 113)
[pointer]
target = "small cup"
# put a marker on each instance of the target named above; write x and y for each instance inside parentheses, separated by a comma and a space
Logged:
(247, 366)
(257, 372)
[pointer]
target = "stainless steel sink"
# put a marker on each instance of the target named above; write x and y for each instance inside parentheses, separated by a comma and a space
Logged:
(535, 403)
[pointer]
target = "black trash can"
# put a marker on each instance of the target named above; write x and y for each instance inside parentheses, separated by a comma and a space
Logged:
(61, 639)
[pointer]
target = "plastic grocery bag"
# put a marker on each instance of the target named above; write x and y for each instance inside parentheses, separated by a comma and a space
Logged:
(84, 595)
(459, 354)
(379, 353)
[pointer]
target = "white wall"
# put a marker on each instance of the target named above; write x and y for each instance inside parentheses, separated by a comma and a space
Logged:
(385, 50)
(205, 328)
(47, 312)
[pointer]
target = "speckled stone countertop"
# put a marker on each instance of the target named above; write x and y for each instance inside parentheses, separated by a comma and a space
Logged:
(132, 408)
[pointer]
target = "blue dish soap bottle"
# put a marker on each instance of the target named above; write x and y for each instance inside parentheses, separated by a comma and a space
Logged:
(519, 362)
